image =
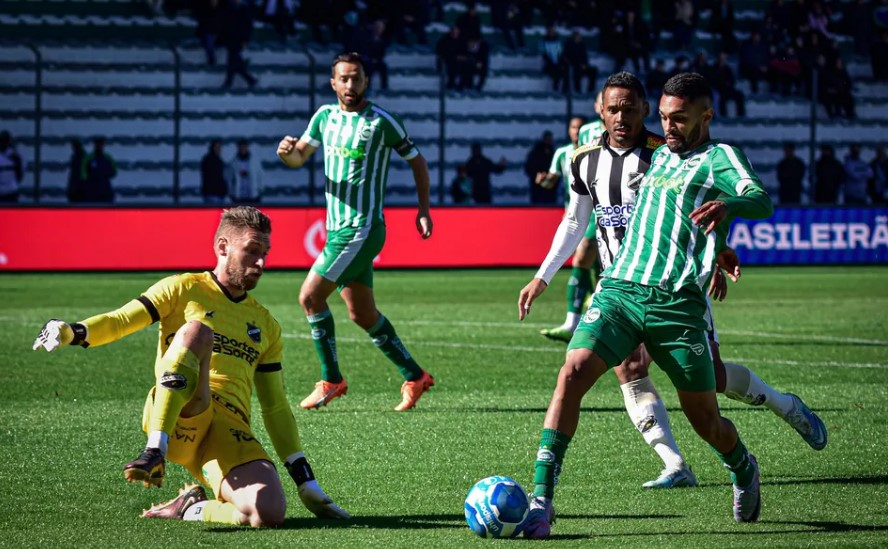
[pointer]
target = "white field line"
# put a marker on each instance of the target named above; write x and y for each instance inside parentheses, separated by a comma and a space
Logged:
(559, 350)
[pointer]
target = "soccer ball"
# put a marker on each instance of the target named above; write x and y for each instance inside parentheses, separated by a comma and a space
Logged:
(496, 507)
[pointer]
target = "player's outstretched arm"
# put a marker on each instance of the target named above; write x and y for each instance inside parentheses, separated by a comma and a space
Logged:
(294, 152)
(54, 334)
(96, 330)
(421, 177)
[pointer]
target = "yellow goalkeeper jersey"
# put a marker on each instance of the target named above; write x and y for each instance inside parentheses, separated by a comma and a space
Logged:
(246, 338)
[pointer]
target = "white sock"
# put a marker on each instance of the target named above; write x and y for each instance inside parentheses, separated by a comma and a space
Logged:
(743, 385)
(159, 440)
(648, 414)
(195, 512)
(571, 321)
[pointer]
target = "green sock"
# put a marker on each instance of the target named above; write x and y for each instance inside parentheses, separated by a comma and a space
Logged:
(578, 287)
(323, 332)
(385, 338)
(547, 467)
(737, 462)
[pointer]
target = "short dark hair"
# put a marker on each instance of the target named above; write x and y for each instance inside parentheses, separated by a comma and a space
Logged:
(348, 57)
(688, 85)
(624, 79)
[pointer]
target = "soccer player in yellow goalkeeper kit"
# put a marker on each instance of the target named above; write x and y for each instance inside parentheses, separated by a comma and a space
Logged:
(216, 342)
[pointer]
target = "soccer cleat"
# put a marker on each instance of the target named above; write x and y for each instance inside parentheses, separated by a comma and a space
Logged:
(558, 334)
(540, 519)
(679, 478)
(807, 424)
(175, 508)
(748, 500)
(148, 468)
(323, 393)
(412, 390)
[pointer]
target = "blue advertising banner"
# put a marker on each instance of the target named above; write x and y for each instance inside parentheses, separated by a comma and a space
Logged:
(813, 236)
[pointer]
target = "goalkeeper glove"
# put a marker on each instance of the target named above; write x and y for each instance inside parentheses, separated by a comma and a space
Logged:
(314, 499)
(56, 333)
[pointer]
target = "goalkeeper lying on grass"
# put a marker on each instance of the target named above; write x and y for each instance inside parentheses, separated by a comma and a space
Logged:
(215, 343)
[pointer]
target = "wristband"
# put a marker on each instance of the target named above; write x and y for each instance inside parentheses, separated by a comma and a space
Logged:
(300, 471)
(79, 335)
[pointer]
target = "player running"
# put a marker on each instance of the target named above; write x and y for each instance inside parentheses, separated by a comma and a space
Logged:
(215, 343)
(358, 137)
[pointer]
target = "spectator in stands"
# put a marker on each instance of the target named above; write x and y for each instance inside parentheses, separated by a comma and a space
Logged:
(461, 186)
(859, 24)
(76, 182)
(656, 79)
(279, 13)
(245, 176)
(373, 54)
(209, 24)
(237, 29)
(629, 40)
(725, 85)
(879, 57)
(857, 176)
(553, 64)
(681, 64)
(576, 58)
(98, 170)
(785, 69)
(508, 17)
(537, 162)
(829, 174)
(721, 23)
(479, 168)
(469, 22)
(213, 183)
(683, 23)
(754, 58)
(409, 14)
(477, 64)
(701, 66)
(318, 15)
(790, 174)
(11, 169)
(818, 19)
(451, 57)
(878, 188)
(835, 89)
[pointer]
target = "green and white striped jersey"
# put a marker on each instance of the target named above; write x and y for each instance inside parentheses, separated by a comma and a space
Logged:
(663, 247)
(591, 131)
(357, 147)
(561, 166)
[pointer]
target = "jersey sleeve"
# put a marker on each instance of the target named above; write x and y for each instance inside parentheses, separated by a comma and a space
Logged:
(111, 326)
(555, 166)
(162, 298)
(395, 136)
(578, 184)
(277, 416)
(734, 176)
(273, 356)
(314, 133)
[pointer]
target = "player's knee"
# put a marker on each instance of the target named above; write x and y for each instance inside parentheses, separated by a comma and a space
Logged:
(267, 512)
(197, 337)
(364, 319)
(577, 376)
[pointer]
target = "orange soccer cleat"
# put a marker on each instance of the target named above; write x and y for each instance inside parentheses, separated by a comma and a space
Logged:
(323, 393)
(411, 391)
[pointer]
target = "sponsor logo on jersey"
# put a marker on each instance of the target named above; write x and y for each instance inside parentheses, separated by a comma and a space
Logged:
(254, 332)
(224, 345)
(634, 180)
(173, 381)
(592, 315)
(345, 152)
(241, 436)
(668, 183)
(613, 216)
(692, 163)
(698, 348)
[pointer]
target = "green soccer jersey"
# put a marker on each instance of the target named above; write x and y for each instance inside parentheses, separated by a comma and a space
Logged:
(591, 131)
(663, 247)
(561, 166)
(357, 147)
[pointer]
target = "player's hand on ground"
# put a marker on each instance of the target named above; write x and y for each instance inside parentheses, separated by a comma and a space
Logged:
(727, 259)
(424, 224)
(718, 285)
(286, 146)
(710, 214)
(54, 334)
(528, 294)
(319, 503)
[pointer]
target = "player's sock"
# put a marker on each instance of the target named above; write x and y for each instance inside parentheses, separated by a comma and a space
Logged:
(648, 413)
(323, 332)
(159, 440)
(737, 462)
(177, 377)
(216, 511)
(742, 384)
(547, 467)
(578, 287)
(385, 338)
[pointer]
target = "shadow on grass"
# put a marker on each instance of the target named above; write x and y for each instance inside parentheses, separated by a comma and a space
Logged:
(614, 410)
(400, 522)
(854, 479)
(806, 343)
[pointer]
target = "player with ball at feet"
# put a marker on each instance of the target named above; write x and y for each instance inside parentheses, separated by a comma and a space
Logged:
(216, 342)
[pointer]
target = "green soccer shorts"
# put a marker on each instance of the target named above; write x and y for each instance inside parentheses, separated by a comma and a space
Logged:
(671, 325)
(349, 253)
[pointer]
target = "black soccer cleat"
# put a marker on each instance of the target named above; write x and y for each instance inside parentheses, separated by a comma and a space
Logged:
(148, 468)
(176, 507)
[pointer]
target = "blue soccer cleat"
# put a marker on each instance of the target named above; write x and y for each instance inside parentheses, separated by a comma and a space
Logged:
(538, 523)
(807, 424)
(679, 478)
(748, 500)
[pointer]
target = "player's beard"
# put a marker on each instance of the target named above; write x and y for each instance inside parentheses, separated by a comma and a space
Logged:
(685, 143)
(238, 278)
(354, 101)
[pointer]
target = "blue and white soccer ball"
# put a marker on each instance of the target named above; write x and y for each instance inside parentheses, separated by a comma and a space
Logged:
(496, 507)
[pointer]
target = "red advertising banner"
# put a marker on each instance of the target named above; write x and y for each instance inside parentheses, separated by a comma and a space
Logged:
(71, 239)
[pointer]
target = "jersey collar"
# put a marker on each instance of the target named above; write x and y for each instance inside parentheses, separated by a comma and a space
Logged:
(225, 290)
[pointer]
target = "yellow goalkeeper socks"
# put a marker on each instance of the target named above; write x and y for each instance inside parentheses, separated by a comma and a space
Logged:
(177, 376)
(222, 512)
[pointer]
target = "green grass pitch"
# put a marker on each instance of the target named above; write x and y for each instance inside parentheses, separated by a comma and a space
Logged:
(70, 420)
